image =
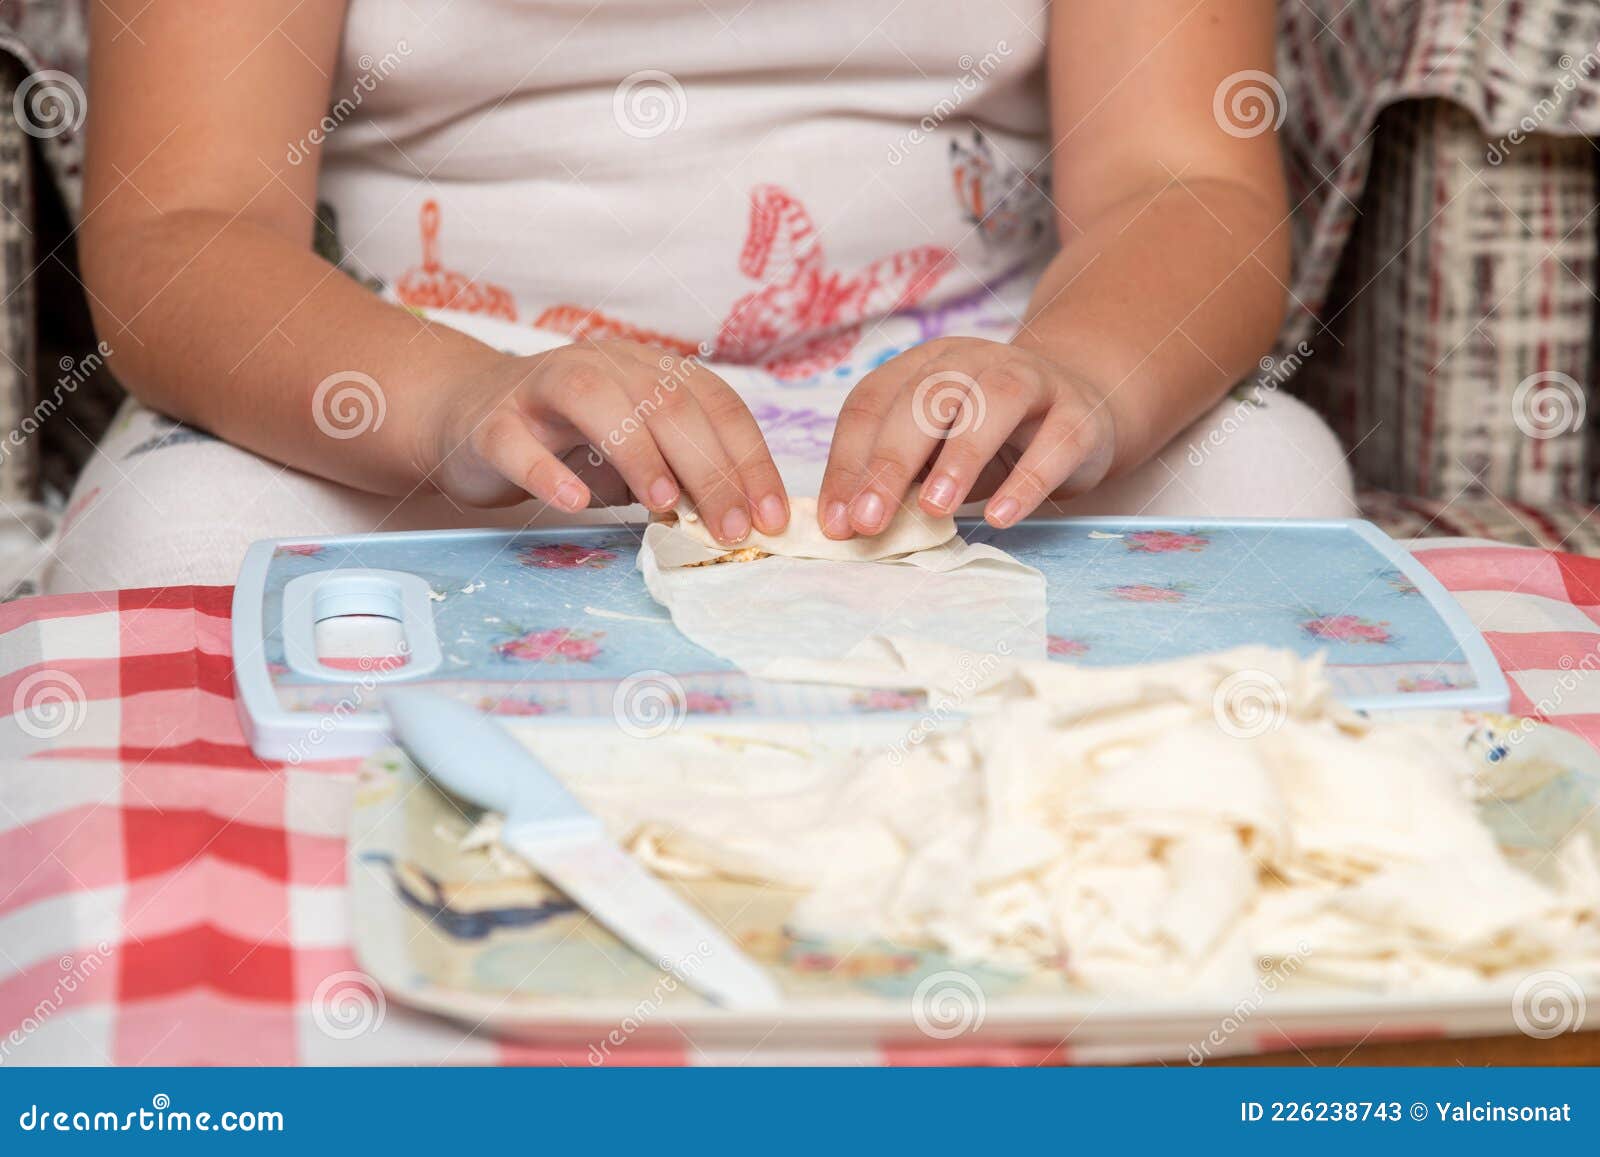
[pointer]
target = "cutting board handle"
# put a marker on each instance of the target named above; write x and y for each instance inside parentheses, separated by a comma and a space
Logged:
(390, 594)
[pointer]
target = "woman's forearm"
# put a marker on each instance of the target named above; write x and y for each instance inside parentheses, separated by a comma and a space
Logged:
(1162, 302)
(231, 326)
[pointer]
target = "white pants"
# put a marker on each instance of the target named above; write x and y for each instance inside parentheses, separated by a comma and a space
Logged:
(162, 504)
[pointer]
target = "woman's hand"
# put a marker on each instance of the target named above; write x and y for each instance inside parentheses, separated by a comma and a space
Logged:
(968, 413)
(665, 425)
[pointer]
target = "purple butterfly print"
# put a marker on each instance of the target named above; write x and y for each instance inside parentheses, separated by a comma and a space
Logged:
(977, 310)
(801, 433)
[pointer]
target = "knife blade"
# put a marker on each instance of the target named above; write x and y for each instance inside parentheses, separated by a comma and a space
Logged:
(476, 759)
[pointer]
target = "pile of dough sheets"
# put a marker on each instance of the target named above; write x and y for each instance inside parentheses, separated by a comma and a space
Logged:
(1163, 829)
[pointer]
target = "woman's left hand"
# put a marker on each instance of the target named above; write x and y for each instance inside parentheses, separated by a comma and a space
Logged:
(963, 414)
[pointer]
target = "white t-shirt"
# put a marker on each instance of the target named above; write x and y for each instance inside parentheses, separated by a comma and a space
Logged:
(756, 179)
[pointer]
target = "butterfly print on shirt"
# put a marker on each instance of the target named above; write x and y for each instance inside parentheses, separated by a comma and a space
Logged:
(596, 326)
(432, 286)
(805, 318)
(998, 199)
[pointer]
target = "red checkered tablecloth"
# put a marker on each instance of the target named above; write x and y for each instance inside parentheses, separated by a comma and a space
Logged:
(168, 898)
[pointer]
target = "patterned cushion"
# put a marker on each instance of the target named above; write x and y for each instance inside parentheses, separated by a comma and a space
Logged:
(18, 447)
(1453, 132)
(1340, 65)
(72, 395)
(1459, 353)
(1565, 526)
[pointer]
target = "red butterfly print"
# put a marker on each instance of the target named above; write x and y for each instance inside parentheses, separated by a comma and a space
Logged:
(596, 326)
(431, 285)
(805, 319)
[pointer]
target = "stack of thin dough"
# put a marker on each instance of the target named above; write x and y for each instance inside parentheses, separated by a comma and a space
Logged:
(1167, 828)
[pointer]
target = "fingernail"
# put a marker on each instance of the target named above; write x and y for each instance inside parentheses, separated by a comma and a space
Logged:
(774, 514)
(836, 520)
(735, 526)
(570, 495)
(1004, 512)
(662, 493)
(940, 492)
(867, 512)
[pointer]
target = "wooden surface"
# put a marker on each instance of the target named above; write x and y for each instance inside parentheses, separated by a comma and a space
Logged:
(1581, 1048)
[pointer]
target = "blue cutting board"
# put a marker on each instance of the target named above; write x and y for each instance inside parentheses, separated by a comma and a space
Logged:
(557, 623)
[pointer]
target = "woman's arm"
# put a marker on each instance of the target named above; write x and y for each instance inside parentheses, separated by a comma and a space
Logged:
(197, 256)
(1170, 283)
(1173, 274)
(197, 236)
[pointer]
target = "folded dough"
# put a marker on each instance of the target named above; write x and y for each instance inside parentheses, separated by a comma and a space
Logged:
(908, 532)
(813, 599)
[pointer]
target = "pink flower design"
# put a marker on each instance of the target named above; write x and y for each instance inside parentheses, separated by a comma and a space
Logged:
(886, 700)
(1347, 629)
(300, 549)
(555, 645)
(509, 706)
(565, 556)
(1165, 541)
(705, 703)
(1149, 593)
(1064, 648)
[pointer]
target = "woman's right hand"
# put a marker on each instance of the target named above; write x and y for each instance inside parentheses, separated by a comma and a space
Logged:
(666, 425)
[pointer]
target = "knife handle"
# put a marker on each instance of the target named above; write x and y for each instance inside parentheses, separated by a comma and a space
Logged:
(475, 758)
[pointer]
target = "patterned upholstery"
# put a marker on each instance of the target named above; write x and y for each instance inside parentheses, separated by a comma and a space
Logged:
(18, 455)
(1567, 526)
(1443, 168)
(43, 315)
(1462, 283)
(1341, 65)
